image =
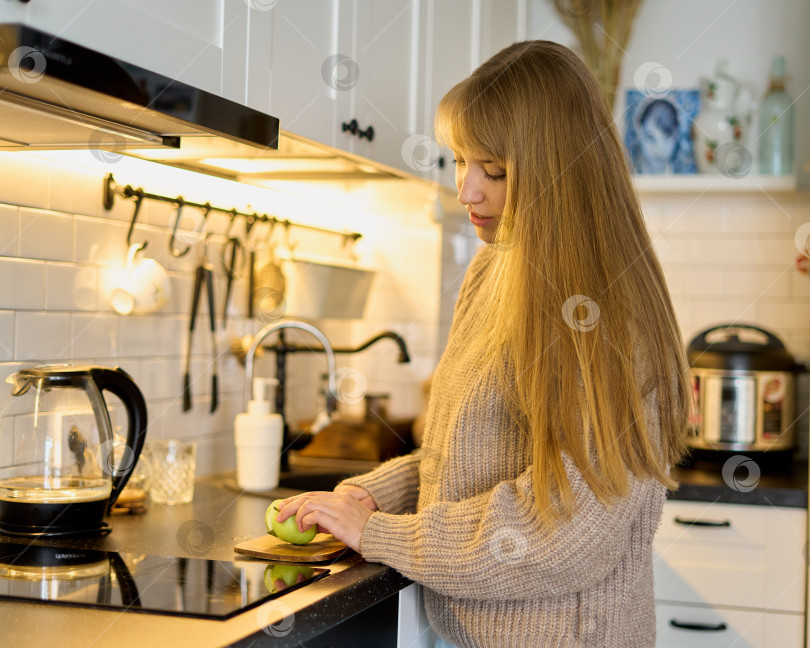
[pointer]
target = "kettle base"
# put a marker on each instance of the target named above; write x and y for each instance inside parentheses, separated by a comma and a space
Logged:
(31, 519)
(101, 529)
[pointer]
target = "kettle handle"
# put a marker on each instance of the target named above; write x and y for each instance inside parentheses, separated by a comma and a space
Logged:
(773, 341)
(118, 382)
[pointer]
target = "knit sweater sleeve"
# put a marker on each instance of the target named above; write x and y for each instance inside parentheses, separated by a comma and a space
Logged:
(492, 546)
(394, 485)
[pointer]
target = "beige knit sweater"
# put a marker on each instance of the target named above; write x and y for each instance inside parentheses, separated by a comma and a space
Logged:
(458, 516)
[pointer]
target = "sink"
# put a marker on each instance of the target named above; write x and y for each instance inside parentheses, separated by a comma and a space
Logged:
(309, 481)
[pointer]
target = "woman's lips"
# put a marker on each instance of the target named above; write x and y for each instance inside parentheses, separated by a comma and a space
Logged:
(480, 221)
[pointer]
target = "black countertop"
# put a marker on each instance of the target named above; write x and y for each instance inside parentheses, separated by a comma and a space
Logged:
(767, 484)
(352, 586)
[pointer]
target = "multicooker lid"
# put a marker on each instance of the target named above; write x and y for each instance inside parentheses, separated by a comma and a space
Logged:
(739, 347)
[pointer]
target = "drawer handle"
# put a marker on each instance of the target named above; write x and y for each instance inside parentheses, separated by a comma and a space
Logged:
(701, 627)
(702, 523)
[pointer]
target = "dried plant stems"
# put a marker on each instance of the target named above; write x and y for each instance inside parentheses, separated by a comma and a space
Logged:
(602, 29)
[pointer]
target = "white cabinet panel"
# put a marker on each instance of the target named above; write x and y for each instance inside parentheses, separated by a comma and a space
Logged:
(500, 25)
(729, 574)
(306, 75)
(754, 559)
(447, 55)
(704, 627)
(385, 50)
(414, 630)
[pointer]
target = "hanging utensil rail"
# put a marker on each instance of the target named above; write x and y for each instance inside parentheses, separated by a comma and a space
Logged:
(111, 189)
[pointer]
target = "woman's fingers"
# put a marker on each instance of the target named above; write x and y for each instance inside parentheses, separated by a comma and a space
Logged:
(337, 513)
(360, 494)
(289, 506)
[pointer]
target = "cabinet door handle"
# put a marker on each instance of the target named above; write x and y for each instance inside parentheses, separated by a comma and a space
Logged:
(700, 627)
(368, 133)
(701, 523)
(350, 126)
(354, 128)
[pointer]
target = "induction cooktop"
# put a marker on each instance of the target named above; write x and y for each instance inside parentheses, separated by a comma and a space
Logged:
(191, 587)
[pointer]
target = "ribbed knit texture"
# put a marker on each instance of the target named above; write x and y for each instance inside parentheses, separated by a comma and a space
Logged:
(458, 516)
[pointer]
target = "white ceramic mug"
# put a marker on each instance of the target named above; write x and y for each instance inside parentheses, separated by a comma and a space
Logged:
(144, 288)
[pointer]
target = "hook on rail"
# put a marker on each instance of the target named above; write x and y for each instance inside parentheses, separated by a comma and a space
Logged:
(138, 193)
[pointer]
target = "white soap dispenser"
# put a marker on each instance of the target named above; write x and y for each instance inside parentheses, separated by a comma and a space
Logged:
(259, 434)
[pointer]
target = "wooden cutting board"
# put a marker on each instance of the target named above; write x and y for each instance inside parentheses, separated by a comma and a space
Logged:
(323, 547)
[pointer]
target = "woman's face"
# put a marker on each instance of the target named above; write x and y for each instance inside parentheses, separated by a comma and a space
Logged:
(482, 190)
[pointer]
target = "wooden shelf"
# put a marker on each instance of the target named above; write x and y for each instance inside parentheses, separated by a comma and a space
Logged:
(714, 183)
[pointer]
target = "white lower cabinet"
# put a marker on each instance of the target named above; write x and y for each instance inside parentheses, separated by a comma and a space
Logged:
(730, 575)
(712, 627)
(413, 628)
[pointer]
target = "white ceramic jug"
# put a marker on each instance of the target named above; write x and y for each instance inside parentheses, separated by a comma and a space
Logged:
(720, 131)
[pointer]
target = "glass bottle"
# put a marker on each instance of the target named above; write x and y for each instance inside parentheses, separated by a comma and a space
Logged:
(776, 117)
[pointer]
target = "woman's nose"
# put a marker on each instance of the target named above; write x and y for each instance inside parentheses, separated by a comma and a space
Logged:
(469, 190)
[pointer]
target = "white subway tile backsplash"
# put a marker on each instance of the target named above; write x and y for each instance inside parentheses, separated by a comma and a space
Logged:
(725, 250)
(798, 345)
(707, 313)
(779, 251)
(42, 336)
(758, 216)
(22, 284)
(216, 454)
(6, 441)
(6, 336)
(96, 335)
(784, 316)
(161, 378)
(799, 284)
(101, 242)
(71, 287)
(174, 328)
(9, 229)
(703, 215)
(671, 249)
(703, 282)
(22, 183)
(176, 424)
(75, 190)
(755, 283)
(46, 235)
(142, 335)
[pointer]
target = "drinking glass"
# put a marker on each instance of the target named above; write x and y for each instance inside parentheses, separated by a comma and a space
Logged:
(173, 464)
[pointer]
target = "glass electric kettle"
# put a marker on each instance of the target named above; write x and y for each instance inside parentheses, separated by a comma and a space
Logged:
(65, 470)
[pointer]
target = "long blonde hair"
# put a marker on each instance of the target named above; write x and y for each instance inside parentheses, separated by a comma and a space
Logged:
(578, 323)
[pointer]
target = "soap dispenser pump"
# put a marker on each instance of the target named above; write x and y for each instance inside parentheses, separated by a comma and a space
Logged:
(259, 435)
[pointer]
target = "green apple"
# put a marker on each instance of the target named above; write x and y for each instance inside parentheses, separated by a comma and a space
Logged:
(280, 577)
(287, 530)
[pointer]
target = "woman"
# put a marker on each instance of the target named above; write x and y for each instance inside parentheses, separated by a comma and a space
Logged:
(562, 397)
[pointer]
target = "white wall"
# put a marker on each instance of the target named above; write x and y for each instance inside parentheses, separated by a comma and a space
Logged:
(688, 37)
(59, 251)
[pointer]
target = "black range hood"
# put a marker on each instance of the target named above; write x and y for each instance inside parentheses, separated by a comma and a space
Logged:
(55, 94)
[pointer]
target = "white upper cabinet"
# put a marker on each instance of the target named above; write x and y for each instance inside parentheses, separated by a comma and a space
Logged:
(198, 42)
(455, 37)
(384, 53)
(295, 42)
(448, 54)
(343, 73)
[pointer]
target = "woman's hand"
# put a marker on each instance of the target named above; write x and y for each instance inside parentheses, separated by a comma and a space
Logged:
(360, 494)
(340, 513)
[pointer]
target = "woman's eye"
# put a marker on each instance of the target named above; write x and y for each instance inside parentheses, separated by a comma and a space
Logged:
(458, 162)
(495, 176)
